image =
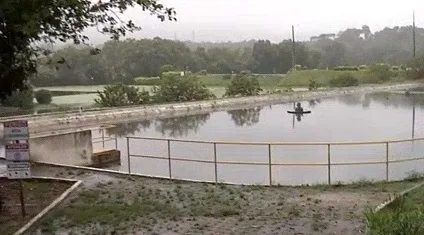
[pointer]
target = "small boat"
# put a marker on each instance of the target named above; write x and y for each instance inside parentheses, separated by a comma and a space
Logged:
(303, 112)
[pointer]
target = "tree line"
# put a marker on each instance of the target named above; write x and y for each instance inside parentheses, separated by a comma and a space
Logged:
(122, 61)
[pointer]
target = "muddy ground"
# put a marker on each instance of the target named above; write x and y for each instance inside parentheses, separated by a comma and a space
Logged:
(38, 194)
(113, 204)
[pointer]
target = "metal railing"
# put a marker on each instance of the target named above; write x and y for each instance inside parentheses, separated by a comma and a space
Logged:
(104, 139)
(385, 160)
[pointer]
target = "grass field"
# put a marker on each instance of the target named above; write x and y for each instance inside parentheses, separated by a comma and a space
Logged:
(323, 77)
(216, 83)
(404, 216)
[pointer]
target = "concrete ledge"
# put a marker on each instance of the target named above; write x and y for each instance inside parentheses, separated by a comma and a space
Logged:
(51, 206)
(106, 157)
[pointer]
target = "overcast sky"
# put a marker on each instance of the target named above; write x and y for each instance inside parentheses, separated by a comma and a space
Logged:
(237, 20)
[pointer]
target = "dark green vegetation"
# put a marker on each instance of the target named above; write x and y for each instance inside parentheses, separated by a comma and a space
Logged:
(243, 85)
(43, 96)
(350, 50)
(122, 95)
(171, 89)
(177, 89)
(405, 216)
(111, 204)
(344, 80)
(26, 24)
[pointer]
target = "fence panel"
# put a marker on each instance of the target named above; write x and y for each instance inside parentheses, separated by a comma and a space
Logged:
(243, 164)
(291, 163)
(358, 162)
(147, 157)
(192, 161)
(299, 164)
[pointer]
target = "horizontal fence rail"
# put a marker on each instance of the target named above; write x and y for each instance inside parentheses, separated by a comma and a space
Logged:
(268, 156)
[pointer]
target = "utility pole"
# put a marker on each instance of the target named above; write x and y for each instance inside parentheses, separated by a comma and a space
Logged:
(413, 33)
(294, 50)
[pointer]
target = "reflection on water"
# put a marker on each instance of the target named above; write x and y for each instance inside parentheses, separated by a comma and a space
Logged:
(245, 117)
(180, 126)
(127, 129)
(346, 118)
(313, 103)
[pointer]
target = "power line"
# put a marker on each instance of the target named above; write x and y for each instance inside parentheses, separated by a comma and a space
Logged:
(413, 33)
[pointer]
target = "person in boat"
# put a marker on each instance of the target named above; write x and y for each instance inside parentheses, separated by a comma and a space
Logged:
(298, 108)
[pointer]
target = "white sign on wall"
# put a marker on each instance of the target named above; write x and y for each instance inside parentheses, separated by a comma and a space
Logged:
(17, 152)
(16, 130)
(18, 170)
(16, 134)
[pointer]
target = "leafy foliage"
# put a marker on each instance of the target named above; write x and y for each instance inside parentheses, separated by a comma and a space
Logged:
(21, 99)
(24, 24)
(122, 95)
(381, 72)
(43, 96)
(166, 68)
(313, 85)
(243, 86)
(174, 88)
(344, 80)
(417, 69)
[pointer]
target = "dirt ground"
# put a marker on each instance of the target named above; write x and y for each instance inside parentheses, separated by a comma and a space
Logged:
(112, 204)
(38, 194)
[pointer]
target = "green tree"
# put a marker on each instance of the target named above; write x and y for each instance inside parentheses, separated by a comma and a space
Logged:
(24, 24)
(176, 88)
(122, 95)
(43, 96)
(242, 85)
(20, 99)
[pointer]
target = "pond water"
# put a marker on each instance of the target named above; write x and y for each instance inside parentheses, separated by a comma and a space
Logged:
(371, 117)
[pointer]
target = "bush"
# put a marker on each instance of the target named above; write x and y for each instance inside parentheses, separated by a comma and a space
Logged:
(122, 95)
(243, 86)
(415, 70)
(381, 72)
(176, 88)
(346, 68)
(203, 72)
(43, 96)
(226, 77)
(396, 68)
(313, 85)
(166, 68)
(21, 99)
(344, 80)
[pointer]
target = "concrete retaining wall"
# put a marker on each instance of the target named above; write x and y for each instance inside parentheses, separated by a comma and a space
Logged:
(73, 148)
(116, 115)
